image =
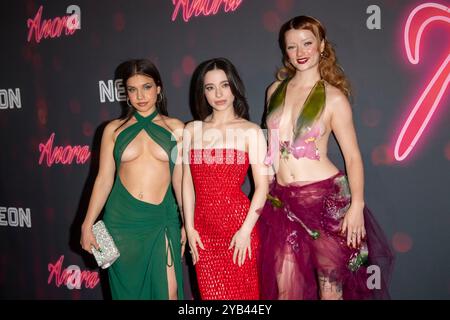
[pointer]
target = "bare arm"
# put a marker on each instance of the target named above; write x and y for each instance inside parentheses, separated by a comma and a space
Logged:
(176, 126)
(187, 183)
(342, 125)
(257, 147)
(257, 153)
(177, 129)
(273, 168)
(102, 187)
(189, 195)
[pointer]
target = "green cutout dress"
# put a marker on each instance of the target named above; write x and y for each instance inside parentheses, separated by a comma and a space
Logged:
(139, 228)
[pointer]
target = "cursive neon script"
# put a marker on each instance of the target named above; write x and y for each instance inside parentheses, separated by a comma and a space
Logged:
(202, 7)
(72, 276)
(63, 155)
(51, 28)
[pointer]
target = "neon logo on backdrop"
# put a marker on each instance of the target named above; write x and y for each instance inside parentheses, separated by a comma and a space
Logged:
(422, 112)
(63, 155)
(51, 28)
(72, 276)
(202, 7)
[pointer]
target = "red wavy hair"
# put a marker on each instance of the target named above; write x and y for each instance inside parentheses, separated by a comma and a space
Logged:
(329, 68)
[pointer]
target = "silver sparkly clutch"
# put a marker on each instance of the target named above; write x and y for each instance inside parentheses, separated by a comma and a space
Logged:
(108, 252)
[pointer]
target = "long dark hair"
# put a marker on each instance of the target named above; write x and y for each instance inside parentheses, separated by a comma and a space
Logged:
(202, 106)
(143, 67)
(328, 66)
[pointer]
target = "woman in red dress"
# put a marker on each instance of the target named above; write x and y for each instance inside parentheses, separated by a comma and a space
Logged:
(219, 217)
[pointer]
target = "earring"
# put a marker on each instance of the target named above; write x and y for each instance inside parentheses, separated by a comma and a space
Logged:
(129, 103)
(159, 98)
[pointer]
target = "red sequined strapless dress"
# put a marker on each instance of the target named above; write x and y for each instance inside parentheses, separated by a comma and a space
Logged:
(220, 209)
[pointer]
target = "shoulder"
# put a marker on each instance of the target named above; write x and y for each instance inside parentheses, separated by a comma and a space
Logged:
(271, 89)
(191, 127)
(251, 130)
(335, 97)
(173, 123)
(111, 130)
(248, 125)
(337, 105)
(113, 125)
(175, 126)
(192, 124)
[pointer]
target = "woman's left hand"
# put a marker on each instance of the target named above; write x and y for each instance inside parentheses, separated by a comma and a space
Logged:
(183, 240)
(241, 244)
(353, 224)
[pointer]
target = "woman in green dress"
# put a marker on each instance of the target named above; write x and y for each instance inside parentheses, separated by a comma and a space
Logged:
(139, 180)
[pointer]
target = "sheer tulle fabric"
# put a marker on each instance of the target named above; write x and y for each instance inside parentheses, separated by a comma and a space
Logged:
(302, 254)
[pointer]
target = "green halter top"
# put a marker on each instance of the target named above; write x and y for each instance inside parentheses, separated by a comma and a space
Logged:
(312, 108)
(147, 235)
(159, 134)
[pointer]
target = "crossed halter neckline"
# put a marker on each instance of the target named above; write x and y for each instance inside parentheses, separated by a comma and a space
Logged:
(150, 117)
(159, 134)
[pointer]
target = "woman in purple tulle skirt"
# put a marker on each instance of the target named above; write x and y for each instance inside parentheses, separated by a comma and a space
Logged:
(318, 238)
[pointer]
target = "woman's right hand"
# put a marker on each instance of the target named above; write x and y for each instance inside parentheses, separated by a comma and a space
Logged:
(88, 239)
(194, 239)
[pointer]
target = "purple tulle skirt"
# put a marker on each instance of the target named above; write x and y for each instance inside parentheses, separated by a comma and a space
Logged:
(302, 254)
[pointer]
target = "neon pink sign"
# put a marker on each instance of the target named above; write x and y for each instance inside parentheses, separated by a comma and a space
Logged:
(426, 105)
(63, 155)
(202, 7)
(51, 28)
(72, 276)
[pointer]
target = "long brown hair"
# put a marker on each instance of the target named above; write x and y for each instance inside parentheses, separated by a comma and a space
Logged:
(144, 67)
(329, 68)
